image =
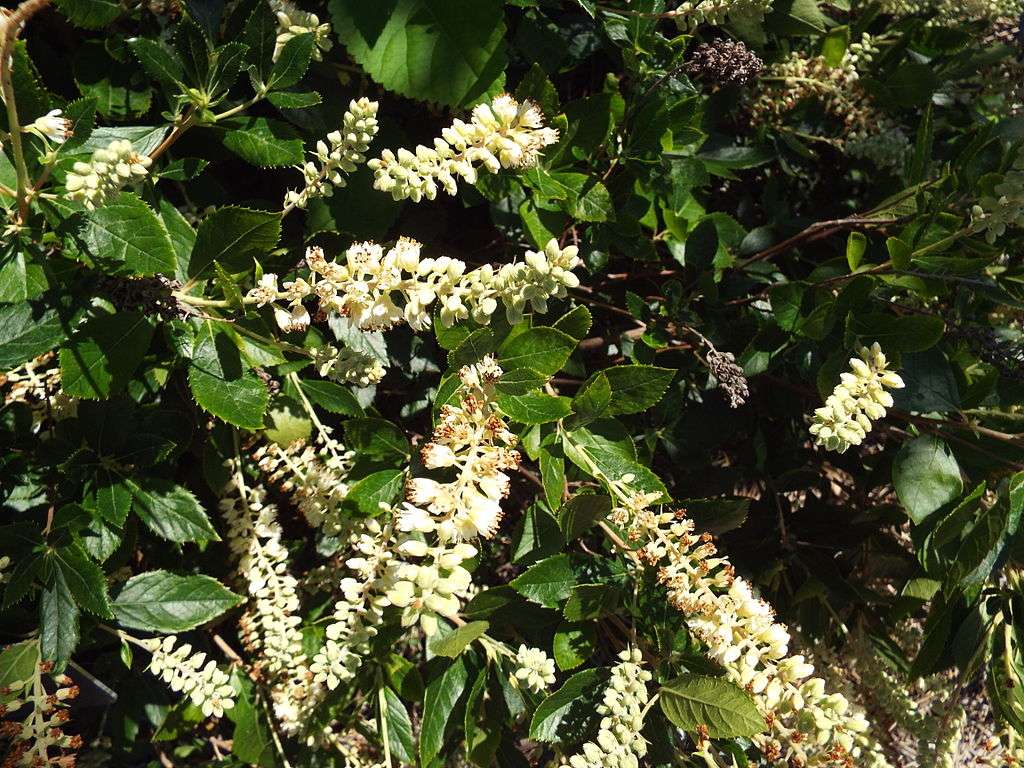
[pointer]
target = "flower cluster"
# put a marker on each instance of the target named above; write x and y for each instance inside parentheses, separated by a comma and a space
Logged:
(724, 62)
(534, 669)
(37, 738)
(472, 442)
(109, 169)
(729, 375)
(341, 153)
(693, 13)
(348, 366)
(858, 399)
(1004, 208)
(270, 626)
(502, 134)
(619, 742)
(189, 673)
(947, 13)
(378, 287)
(316, 477)
(51, 126)
(292, 22)
(805, 725)
(887, 149)
(798, 78)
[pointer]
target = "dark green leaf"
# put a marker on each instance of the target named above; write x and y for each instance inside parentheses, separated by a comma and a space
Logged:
(158, 601)
(169, 510)
(926, 476)
(125, 237)
(103, 353)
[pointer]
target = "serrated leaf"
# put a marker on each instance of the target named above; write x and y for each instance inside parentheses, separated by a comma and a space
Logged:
(581, 512)
(294, 99)
(234, 236)
(169, 510)
(26, 331)
(575, 323)
(58, 620)
(90, 14)
(159, 61)
(125, 237)
(544, 350)
(221, 385)
(292, 62)
(263, 142)
(159, 601)
(535, 407)
(370, 492)
(573, 644)
(438, 704)
(103, 353)
(400, 735)
(563, 715)
(427, 49)
(456, 641)
(723, 707)
(635, 388)
(332, 397)
(84, 578)
(548, 582)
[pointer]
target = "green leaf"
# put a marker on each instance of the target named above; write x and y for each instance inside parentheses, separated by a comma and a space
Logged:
(563, 715)
(376, 438)
(575, 323)
(472, 349)
(535, 407)
(370, 492)
(287, 422)
(574, 643)
(552, 473)
(169, 510)
(590, 601)
(438, 705)
(723, 707)
(294, 99)
(17, 663)
(588, 448)
(592, 401)
(159, 601)
(332, 396)
(90, 14)
(233, 237)
(292, 62)
(911, 85)
(581, 512)
(548, 582)
(58, 620)
(856, 245)
(456, 641)
(636, 388)
(908, 333)
(427, 49)
(926, 476)
(159, 61)
(263, 142)
(251, 741)
(400, 737)
(544, 350)
(84, 578)
(103, 353)
(219, 383)
(125, 237)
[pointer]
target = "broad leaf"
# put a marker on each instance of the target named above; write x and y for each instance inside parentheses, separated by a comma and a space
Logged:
(158, 601)
(125, 237)
(725, 709)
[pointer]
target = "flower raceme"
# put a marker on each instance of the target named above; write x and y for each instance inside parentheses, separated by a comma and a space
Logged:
(378, 287)
(502, 134)
(191, 674)
(619, 742)
(92, 183)
(858, 399)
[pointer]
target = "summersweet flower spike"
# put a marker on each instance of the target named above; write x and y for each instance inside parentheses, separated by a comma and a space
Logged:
(108, 170)
(502, 134)
(190, 673)
(859, 399)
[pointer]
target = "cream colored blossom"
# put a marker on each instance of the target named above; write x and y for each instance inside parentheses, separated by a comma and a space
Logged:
(343, 151)
(619, 742)
(92, 183)
(693, 13)
(472, 439)
(377, 287)
(502, 134)
(994, 213)
(534, 669)
(51, 126)
(348, 366)
(191, 674)
(859, 399)
(292, 22)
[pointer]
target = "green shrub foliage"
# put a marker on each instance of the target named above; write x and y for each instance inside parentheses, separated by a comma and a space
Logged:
(512, 383)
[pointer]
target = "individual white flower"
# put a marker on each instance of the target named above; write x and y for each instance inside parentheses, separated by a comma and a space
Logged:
(502, 134)
(51, 126)
(109, 169)
(343, 151)
(534, 669)
(190, 673)
(858, 399)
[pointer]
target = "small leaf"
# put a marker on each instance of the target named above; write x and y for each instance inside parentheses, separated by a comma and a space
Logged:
(263, 142)
(636, 388)
(292, 62)
(58, 620)
(456, 641)
(332, 396)
(169, 510)
(723, 707)
(548, 582)
(219, 383)
(581, 512)
(158, 601)
(373, 490)
(233, 237)
(535, 407)
(563, 715)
